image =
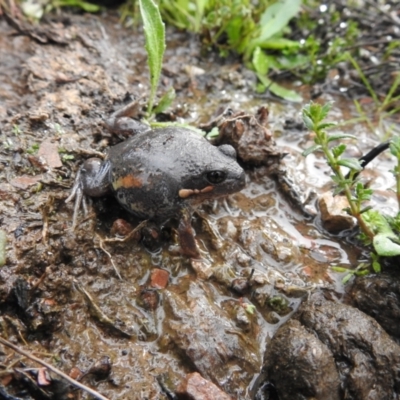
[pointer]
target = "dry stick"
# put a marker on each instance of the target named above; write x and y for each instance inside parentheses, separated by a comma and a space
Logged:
(54, 369)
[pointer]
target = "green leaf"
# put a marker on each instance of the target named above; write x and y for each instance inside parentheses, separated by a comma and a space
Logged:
(376, 266)
(347, 278)
(276, 17)
(339, 269)
(338, 150)
(362, 272)
(351, 163)
(250, 308)
(280, 91)
(378, 223)
(165, 101)
(280, 44)
(338, 136)
(325, 125)
(384, 246)
(308, 122)
(325, 110)
(366, 209)
(213, 133)
(88, 7)
(154, 31)
(310, 150)
(260, 62)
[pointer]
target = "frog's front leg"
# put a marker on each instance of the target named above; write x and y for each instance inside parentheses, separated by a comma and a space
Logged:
(121, 122)
(187, 241)
(92, 179)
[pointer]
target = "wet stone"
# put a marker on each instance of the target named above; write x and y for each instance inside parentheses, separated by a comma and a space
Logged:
(301, 366)
(159, 278)
(120, 227)
(249, 135)
(379, 297)
(367, 359)
(211, 340)
(300, 359)
(292, 182)
(334, 219)
(264, 235)
(195, 387)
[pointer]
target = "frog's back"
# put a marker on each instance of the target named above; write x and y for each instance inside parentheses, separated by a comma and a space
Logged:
(172, 141)
(147, 169)
(155, 173)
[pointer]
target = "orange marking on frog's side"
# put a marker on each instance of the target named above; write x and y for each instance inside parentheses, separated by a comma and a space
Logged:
(127, 181)
(184, 193)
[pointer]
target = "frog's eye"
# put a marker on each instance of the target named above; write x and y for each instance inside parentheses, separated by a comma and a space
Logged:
(216, 177)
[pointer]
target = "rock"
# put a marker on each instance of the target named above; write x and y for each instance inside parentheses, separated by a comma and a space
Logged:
(379, 297)
(25, 181)
(301, 366)
(367, 359)
(249, 135)
(159, 278)
(325, 342)
(49, 151)
(210, 339)
(333, 218)
(195, 387)
(122, 228)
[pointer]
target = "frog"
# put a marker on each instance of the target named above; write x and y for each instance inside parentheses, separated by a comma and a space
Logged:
(158, 173)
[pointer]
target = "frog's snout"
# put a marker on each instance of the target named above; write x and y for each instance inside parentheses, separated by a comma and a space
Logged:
(241, 181)
(235, 182)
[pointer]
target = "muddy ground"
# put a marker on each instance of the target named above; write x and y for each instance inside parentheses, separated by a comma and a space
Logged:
(139, 337)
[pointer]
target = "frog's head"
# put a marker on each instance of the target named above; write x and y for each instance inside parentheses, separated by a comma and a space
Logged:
(217, 174)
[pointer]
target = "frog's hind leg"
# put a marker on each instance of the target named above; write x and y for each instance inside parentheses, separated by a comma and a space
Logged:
(79, 196)
(93, 180)
(121, 121)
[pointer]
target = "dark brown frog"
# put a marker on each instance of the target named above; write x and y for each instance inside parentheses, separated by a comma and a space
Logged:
(158, 173)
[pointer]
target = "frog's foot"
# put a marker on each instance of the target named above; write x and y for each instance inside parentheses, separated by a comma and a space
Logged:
(81, 199)
(187, 241)
(92, 180)
(121, 122)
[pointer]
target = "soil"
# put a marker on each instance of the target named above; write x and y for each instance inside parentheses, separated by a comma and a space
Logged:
(142, 335)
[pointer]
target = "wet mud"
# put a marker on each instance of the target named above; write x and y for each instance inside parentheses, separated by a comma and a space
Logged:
(134, 318)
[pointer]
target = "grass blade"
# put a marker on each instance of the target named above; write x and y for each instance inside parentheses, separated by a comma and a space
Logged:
(154, 31)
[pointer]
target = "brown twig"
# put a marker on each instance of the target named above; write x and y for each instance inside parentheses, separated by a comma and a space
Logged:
(53, 369)
(97, 313)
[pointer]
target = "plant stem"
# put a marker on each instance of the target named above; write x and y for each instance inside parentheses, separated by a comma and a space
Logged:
(355, 210)
(397, 174)
(79, 385)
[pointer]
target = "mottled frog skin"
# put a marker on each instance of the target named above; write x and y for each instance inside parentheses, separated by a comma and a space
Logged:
(158, 172)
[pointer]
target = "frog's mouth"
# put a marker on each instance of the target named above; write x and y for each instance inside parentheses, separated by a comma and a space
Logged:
(185, 193)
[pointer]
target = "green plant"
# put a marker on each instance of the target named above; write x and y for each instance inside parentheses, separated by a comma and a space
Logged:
(240, 26)
(16, 130)
(35, 10)
(377, 229)
(154, 31)
(362, 269)
(184, 14)
(33, 149)
(384, 108)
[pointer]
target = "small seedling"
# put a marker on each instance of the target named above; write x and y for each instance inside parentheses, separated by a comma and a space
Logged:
(377, 229)
(67, 157)
(16, 130)
(33, 149)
